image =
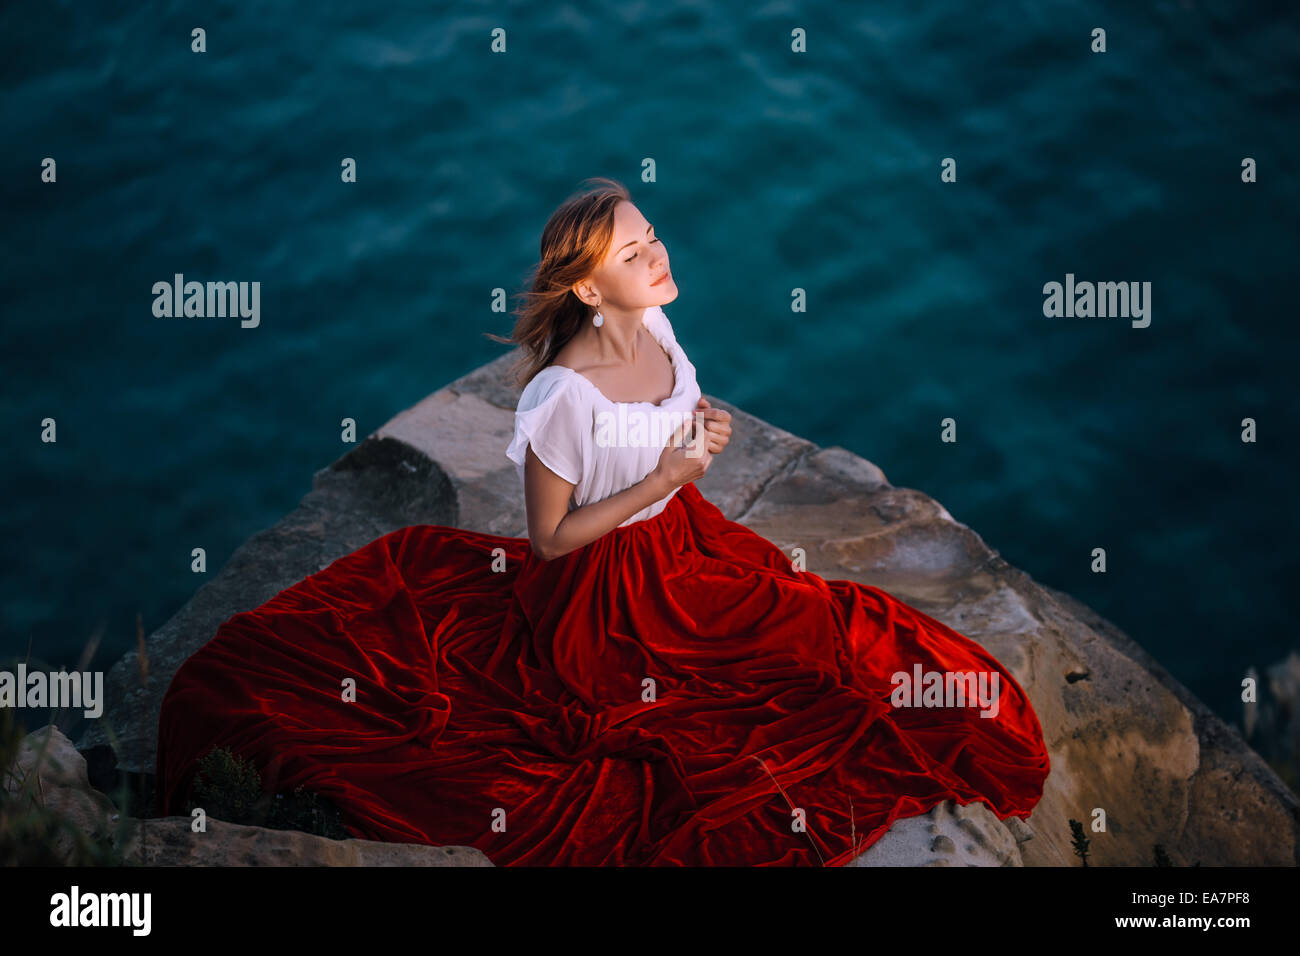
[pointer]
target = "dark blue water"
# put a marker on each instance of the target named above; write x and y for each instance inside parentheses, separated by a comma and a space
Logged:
(774, 171)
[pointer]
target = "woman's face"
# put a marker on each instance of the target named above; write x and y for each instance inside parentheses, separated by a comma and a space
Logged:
(627, 277)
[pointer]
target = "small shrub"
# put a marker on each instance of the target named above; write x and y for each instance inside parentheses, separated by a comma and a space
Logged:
(226, 787)
(1079, 841)
(306, 811)
(230, 788)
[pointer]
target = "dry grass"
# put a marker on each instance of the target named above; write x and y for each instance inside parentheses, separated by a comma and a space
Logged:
(853, 829)
(35, 834)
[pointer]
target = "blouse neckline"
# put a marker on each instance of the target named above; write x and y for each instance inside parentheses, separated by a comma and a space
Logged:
(672, 359)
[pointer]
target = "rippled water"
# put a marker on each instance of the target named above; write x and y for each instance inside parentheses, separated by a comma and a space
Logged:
(774, 171)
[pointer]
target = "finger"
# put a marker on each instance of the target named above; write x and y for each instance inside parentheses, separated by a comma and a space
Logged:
(680, 434)
(698, 444)
(720, 430)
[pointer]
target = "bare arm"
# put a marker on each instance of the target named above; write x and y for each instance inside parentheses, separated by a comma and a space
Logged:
(555, 531)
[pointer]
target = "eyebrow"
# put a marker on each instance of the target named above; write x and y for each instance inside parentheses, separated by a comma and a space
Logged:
(626, 244)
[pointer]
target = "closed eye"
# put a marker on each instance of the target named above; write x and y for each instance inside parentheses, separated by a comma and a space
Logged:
(634, 255)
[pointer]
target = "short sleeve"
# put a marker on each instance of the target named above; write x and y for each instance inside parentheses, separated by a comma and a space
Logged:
(552, 417)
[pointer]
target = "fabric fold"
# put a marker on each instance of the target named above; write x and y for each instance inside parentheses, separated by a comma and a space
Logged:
(675, 693)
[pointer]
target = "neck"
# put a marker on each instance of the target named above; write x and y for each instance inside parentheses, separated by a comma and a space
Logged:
(616, 340)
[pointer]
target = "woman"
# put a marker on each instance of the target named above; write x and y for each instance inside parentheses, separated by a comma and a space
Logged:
(641, 681)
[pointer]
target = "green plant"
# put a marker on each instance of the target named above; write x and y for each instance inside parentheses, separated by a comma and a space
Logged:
(229, 788)
(34, 834)
(1079, 841)
(226, 787)
(307, 811)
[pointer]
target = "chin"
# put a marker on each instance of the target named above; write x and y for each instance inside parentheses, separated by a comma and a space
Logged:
(668, 290)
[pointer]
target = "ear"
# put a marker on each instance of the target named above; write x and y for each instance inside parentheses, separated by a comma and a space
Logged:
(585, 293)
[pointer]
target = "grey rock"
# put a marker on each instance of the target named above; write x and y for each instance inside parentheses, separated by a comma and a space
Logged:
(949, 835)
(1123, 735)
(55, 771)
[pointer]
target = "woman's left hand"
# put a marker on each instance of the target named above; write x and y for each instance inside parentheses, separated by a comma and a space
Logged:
(717, 423)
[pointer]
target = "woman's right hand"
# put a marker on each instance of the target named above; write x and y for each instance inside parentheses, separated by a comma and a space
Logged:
(686, 455)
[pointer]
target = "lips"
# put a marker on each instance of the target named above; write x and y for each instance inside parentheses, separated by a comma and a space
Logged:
(660, 279)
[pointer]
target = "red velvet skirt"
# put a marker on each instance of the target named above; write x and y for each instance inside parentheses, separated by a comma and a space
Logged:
(674, 693)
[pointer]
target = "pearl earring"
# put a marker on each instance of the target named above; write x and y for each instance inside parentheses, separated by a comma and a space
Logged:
(598, 319)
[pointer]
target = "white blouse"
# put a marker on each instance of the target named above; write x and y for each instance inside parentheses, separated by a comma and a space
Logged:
(599, 446)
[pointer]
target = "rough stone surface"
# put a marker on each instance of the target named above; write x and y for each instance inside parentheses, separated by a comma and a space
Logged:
(169, 841)
(1123, 735)
(949, 835)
